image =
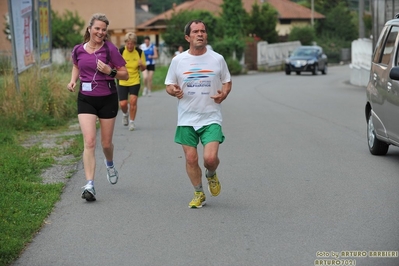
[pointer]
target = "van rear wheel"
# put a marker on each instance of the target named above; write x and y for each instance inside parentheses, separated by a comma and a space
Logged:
(376, 146)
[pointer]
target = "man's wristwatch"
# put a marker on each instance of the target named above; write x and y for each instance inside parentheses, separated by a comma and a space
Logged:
(113, 73)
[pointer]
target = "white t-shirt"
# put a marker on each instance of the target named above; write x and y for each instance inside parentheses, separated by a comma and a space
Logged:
(199, 77)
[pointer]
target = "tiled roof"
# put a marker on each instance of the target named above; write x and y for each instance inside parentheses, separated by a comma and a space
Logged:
(285, 8)
(212, 6)
(289, 10)
(142, 16)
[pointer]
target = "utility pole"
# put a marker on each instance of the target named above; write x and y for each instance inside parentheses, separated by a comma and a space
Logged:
(361, 22)
(312, 13)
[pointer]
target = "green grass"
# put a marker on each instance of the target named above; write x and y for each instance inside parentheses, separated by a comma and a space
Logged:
(159, 78)
(25, 200)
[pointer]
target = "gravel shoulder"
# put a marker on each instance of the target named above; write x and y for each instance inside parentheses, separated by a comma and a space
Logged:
(57, 142)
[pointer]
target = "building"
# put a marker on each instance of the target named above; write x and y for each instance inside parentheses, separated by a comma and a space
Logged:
(121, 15)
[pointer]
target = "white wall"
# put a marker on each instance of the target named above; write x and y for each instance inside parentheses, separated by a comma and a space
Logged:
(362, 50)
(271, 55)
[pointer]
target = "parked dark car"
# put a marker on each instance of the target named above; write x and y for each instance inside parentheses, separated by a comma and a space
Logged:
(382, 106)
(306, 59)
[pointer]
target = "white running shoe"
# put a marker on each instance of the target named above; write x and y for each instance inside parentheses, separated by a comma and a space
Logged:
(131, 126)
(145, 91)
(112, 174)
(88, 193)
(125, 120)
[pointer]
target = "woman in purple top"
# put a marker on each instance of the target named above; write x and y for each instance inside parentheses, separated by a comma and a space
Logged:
(97, 63)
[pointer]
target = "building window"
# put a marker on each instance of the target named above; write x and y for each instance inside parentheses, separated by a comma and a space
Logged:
(285, 21)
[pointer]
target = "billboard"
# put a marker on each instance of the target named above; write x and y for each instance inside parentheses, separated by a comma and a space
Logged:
(21, 12)
(44, 40)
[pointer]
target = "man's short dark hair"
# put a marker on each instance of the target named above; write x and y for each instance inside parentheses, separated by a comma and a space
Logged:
(187, 28)
(147, 38)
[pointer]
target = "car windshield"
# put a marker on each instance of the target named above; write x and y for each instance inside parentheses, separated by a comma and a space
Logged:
(305, 52)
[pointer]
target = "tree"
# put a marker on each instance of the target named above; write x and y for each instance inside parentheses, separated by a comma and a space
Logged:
(232, 21)
(322, 6)
(66, 29)
(157, 6)
(174, 34)
(262, 22)
(306, 35)
(339, 23)
(233, 18)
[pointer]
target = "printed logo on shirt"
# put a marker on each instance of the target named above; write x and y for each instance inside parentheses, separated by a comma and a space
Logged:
(197, 78)
(198, 74)
(199, 84)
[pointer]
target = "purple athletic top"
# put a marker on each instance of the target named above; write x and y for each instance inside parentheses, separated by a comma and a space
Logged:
(101, 84)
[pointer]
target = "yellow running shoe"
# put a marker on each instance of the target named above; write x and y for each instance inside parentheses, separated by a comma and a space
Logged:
(213, 184)
(198, 200)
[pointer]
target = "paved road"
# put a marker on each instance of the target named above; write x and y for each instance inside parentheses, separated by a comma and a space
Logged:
(297, 178)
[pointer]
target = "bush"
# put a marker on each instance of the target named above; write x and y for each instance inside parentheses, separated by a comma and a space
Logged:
(234, 66)
(5, 64)
(66, 29)
(228, 46)
(332, 47)
(306, 35)
(43, 100)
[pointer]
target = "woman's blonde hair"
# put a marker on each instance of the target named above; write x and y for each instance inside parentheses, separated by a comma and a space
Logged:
(131, 36)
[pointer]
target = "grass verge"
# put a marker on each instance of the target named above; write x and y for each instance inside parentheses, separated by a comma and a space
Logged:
(26, 199)
(158, 79)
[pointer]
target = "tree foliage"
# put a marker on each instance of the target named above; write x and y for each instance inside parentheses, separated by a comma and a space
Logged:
(233, 16)
(157, 6)
(66, 29)
(306, 35)
(232, 21)
(228, 46)
(339, 23)
(322, 6)
(262, 22)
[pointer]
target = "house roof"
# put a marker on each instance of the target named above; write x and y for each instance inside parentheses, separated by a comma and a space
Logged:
(142, 16)
(212, 6)
(285, 8)
(288, 10)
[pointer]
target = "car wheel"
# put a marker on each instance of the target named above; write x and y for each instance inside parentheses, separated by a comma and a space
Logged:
(324, 71)
(287, 72)
(315, 70)
(376, 146)
(298, 72)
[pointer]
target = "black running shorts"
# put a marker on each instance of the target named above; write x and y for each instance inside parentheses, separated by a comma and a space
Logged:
(101, 106)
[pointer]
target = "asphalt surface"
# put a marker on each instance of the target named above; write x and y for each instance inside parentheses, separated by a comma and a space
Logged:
(298, 186)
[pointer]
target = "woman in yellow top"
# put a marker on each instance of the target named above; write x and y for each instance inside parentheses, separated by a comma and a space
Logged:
(135, 62)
